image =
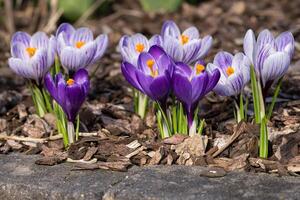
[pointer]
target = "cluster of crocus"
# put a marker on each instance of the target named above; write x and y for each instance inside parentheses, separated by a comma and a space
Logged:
(171, 65)
(270, 58)
(159, 68)
(33, 58)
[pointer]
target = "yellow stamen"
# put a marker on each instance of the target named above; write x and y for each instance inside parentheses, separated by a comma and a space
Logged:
(229, 71)
(184, 39)
(150, 64)
(79, 44)
(31, 51)
(139, 47)
(199, 68)
(70, 81)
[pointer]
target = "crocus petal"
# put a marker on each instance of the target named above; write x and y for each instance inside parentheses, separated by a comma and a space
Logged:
(142, 62)
(275, 66)
(214, 78)
(61, 90)
(223, 60)
(51, 50)
(156, 51)
(160, 88)
(155, 40)
(241, 63)
(265, 37)
(261, 55)
(190, 51)
(21, 37)
(169, 28)
(138, 39)
(50, 86)
(164, 63)
(81, 35)
(39, 64)
(173, 48)
(75, 98)
(199, 84)
(39, 40)
(81, 77)
(182, 88)
(128, 71)
(183, 68)
(18, 50)
(21, 67)
(206, 44)
(102, 44)
(145, 82)
(67, 29)
(285, 42)
(249, 44)
(192, 33)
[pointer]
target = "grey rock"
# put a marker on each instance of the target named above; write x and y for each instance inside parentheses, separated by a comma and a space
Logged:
(22, 179)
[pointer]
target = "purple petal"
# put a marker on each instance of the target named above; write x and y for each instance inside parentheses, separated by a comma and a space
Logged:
(50, 86)
(261, 55)
(142, 62)
(183, 69)
(206, 44)
(223, 60)
(191, 49)
(39, 40)
(75, 98)
(82, 35)
(61, 90)
(265, 37)
(241, 64)
(275, 66)
(160, 88)
(156, 52)
(214, 78)
(138, 39)
(21, 37)
(249, 44)
(191, 33)
(18, 50)
(21, 67)
(67, 29)
(155, 40)
(39, 64)
(129, 74)
(81, 77)
(102, 44)
(169, 28)
(173, 48)
(182, 88)
(145, 82)
(199, 84)
(285, 42)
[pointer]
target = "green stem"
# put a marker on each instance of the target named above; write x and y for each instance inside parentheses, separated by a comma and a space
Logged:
(241, 110)
(142, 105)
(255, 95)
(276, 93)
(201, 126)
(71, 132)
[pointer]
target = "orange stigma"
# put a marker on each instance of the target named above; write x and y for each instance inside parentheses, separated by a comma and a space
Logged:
(31, 51)
(70, 81)
(150, 64)
(229, 70)
(199, 68)
(139, 47)
(184, 39)
(79, 44)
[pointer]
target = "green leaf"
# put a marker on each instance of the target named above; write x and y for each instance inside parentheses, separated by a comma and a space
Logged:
(73, 9)
(263, 139)
(159, 5)
(276, 93)
(255, 95)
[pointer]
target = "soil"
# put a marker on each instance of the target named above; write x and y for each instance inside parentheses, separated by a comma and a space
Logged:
(113, 137)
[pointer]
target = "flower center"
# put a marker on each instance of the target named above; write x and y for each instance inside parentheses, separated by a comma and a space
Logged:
(184, 39)
(79, 44)
(31, 51)
(229, 70)
(199, 68)
(70, 81)
(139, 47)
(150, 64)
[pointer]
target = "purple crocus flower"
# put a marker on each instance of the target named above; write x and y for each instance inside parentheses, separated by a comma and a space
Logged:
(77, 48)
(235, 73)
(69, 94)
(270, 56)
(32, 56)
(187, 46)
(191, 85)
(152, 76)
(132, 46)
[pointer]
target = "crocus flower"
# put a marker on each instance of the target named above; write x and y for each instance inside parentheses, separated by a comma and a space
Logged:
(77, 48)
(187, 46)
(152, 76)
(132, 46)
(270, 56)
(32, 56)
(191, 85)
(69, 94)
(235, 73)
